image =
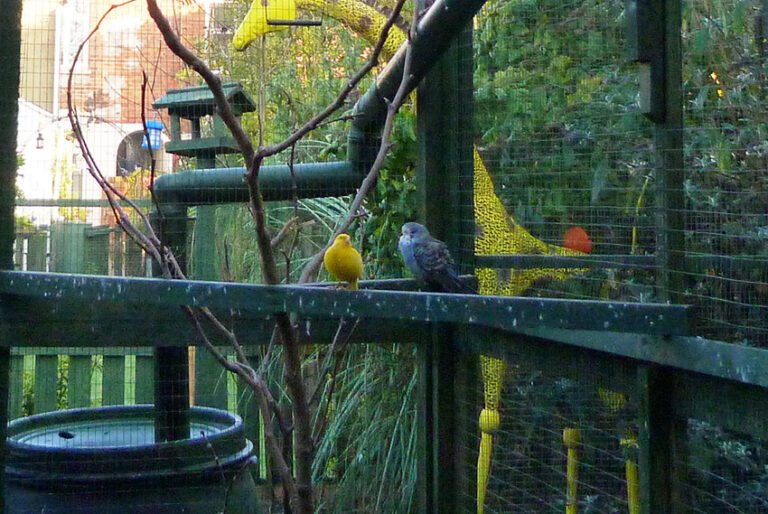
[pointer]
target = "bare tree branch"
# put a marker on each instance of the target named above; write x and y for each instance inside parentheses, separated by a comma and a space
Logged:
(262, 394)
(298, 489)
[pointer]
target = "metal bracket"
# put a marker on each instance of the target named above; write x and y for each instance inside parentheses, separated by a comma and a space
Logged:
(645, 38)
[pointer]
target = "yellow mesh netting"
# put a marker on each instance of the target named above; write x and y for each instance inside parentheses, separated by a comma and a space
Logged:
(497, 231)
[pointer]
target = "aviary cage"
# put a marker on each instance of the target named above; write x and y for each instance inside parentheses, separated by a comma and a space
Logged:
(597, 167)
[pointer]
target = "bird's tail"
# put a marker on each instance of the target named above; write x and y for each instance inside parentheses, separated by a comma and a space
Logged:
(464, 288)
(453, 284)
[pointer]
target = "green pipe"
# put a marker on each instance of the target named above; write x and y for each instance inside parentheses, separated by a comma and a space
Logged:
(436, 31)
(227, 185)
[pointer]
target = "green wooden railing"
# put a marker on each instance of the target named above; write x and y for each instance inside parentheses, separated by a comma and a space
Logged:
(669, 372)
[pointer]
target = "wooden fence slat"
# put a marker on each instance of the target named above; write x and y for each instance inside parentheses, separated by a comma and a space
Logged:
(18, 252)
(210, 381)
(46, 374)
(16, 390)
(145, 379)
(113, 382)
(37, 252)
(79, 384)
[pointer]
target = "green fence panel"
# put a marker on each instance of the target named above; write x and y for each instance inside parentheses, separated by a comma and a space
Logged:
(113, 381)
(37, 251)
(46, 378)
(79, 384)
(96, 250)
(16, 387)
(67, 245)
(145, 379)
(210, 381)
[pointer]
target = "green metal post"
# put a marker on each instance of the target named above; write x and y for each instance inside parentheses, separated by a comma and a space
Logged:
(465, 159)
(662, 437)
(10, 53)
(444, 126)
(444, 183)
(436, 128)
(669, 149)
(172, 362)
(662, 440)
(437, 432)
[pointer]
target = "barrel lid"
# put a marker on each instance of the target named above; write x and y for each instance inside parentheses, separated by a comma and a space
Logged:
(120, 439)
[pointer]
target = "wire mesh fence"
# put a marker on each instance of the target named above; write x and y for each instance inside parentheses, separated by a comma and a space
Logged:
(724, 68)
(564, 164)
(566, 438)
(559, 127)
(724, 471)
(560, 130)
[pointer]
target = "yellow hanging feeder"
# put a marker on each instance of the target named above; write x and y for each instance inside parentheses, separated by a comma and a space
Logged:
(270, 16)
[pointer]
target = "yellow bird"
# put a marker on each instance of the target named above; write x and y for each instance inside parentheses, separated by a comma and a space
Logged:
(343, 261)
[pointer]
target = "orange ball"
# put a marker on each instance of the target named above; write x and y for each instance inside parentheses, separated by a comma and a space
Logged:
(576, 238)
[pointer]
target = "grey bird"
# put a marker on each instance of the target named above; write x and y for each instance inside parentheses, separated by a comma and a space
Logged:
(429, 260)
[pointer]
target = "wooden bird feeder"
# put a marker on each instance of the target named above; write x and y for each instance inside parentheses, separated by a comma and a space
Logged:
(196, 104)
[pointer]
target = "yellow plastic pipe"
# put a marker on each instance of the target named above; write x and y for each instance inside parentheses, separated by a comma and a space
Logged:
(572, 441)
(489, 422)
(633, 480)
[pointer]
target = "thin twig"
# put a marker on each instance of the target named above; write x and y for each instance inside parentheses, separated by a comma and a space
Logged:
(372, 62)
(311, 269)
(256, 383)
(285, 231)
(144, 81)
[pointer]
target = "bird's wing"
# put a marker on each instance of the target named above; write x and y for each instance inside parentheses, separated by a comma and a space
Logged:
(433, 256)
(438, 268)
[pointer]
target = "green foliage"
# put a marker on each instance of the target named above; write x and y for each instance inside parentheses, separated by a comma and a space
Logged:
(556, 109)
(559, 127)
(392, 203)
(292, 76)
(62, 382)
(726, 155)
(369, 452)
(27, 393)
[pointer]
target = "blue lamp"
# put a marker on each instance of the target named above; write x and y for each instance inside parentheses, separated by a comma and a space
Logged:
(154, 133)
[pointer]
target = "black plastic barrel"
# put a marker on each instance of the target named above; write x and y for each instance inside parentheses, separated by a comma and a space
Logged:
(105, 460)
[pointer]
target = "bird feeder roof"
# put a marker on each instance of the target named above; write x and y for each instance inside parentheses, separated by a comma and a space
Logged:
(198, 101)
